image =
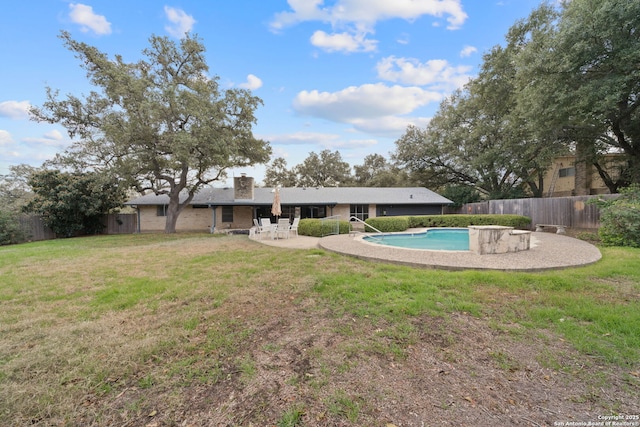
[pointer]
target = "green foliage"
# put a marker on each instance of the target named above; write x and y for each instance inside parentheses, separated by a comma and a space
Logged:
(376, 171)
(578, 76)
(73, 203)
(10, 230)
(15, 192)
(620, 219)
(460, 194)
(317, 228)
(401, 223)
(324, 170)
(388, 224)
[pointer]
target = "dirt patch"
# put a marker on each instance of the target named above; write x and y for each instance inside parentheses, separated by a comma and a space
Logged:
(341, 371)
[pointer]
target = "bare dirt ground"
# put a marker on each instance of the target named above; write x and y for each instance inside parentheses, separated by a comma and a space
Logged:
(312, 368)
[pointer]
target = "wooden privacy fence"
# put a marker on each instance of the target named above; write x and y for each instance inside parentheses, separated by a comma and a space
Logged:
(35, 228)
(572, 212)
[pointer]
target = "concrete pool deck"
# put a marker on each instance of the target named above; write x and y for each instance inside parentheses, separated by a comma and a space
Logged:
(548, 251)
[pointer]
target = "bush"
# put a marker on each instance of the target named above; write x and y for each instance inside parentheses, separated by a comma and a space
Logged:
(316, 228)
(620, 219)
(401, 223)
(388, 224)
(11, 231)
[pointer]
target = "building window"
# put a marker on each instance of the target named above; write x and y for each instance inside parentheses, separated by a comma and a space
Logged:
(161, 210)
(227, 214)
(359, 211)
(565, 172)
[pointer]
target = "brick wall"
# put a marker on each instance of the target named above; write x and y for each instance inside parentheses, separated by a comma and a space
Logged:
(196, 219)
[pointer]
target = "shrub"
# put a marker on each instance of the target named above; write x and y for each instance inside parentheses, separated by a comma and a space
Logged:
(401, 223)
(11, 231)
(388, 224)
(316, 228)
(620, 219)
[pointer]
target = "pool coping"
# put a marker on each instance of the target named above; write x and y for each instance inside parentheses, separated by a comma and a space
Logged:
(548, 252)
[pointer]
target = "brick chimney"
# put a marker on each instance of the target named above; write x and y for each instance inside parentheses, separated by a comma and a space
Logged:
(243, 187)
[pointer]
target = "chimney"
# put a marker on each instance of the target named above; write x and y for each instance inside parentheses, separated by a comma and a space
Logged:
(243, 187)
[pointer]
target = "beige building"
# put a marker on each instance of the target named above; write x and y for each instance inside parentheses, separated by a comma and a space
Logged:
(566, 177)
(220, 209)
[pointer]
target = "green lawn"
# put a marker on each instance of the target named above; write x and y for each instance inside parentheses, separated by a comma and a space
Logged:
(85, 321)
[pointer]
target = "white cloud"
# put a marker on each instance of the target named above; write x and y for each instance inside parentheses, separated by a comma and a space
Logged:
(366, 101)
(324, 140)
(252, 83)
(52, 138)
(393, 126)
(303, 10)
(343, 42)
(467, 51)
(89, 21)
(181, 23)
(302, 138)
(366, 13)
(16, 110)
(403, 39)
(436, 73)
(5, 138)
(371, 108)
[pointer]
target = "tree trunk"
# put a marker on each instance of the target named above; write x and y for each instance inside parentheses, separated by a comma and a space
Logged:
(172, 217)
(582, 166)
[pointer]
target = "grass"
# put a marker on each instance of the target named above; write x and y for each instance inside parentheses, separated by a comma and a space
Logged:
(104, 315)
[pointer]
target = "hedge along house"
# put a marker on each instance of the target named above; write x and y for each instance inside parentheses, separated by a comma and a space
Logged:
(221, 209)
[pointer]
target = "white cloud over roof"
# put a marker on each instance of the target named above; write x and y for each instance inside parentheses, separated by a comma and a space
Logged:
(181, 22)
(324, 140)
(88, 20)
(366, 101)
(374, 108)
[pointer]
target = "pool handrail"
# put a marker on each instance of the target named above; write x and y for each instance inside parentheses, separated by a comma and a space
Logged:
(365, 224)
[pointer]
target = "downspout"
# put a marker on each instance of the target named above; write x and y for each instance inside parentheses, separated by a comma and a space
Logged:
(138, 217)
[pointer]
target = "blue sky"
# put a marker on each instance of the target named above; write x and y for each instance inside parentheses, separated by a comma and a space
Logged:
(346, 75)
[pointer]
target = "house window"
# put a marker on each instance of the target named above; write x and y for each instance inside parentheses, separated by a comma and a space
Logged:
(227, 214)
(359, 211)
(161, 210)
(565, 172)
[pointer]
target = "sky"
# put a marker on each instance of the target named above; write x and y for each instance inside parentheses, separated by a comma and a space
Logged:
(342, 75)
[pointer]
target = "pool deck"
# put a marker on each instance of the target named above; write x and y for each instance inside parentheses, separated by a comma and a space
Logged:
(548, 251)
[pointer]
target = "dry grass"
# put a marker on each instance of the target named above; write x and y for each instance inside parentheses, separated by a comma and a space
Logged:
(202, 330)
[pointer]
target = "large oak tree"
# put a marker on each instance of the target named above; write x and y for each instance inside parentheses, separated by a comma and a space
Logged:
(579, 75)
(162, 123)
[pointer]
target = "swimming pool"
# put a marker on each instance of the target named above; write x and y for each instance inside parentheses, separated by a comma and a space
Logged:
(447, 239)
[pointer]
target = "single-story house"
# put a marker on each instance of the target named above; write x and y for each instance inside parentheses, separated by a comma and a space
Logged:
(220, 209)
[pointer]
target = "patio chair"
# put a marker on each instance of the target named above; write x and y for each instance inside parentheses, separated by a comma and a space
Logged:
(283, 227)
(256, 230)
(294, 226)
(267, 227)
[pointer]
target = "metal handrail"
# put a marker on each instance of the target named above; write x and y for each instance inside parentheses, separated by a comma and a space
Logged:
(365, 224)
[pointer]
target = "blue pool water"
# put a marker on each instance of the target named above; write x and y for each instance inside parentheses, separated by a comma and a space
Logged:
(448, 239)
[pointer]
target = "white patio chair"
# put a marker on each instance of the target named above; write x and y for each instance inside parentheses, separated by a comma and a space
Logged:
(268, 227)
(294, 226)
(283, 227)
(256, 230)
